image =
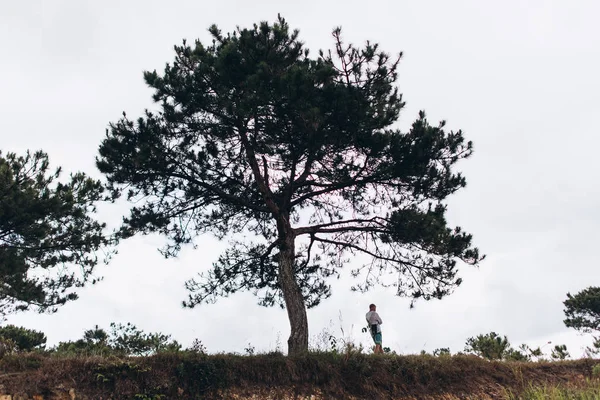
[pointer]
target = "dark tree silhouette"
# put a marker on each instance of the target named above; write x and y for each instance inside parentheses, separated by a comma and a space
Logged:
(583, 313)
(24, 339)
(46, 229)
(254, 137)
(583, 310)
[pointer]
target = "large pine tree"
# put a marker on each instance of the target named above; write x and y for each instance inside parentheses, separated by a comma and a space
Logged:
(256, 137)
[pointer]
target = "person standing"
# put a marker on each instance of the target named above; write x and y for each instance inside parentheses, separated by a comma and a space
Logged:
(374, 321)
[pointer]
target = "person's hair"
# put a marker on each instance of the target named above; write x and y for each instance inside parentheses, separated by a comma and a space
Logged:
(371, 306)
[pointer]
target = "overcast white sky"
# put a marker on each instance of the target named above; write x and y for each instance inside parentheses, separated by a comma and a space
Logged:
(520, 78)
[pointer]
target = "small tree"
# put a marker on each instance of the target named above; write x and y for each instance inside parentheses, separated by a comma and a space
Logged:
(45, 228)
(530, 353)
(490, 346)
(83, 347)
(96, 336)
(520, 354)
(256, 138)
(559, 352)
(94, 342)
(197, 347)
(582, 312)
(24, 339)
(594, 349)
(127, 338)
(495, 347)
(442, 352)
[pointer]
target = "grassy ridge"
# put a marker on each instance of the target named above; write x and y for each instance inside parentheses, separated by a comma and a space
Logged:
(185, 375)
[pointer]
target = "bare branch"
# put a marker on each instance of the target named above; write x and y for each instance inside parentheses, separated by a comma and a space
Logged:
(222, 194)
(266, 170)
(260, 181)
(325, 228)
(361, 249)
(308, 251)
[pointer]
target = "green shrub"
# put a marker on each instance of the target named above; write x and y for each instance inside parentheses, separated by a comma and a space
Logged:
(123, 340)
(24, 339)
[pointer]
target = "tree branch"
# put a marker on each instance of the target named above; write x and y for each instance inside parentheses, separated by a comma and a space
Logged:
(262, 186)
(306, 172)
(308, 251)
(269, 250)
(222, 194)
(358, 248)
(266, 170)
(332, 187)
(324, 228)
(290, 189)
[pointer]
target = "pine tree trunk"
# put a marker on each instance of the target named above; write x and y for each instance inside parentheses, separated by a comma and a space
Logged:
(294, 302)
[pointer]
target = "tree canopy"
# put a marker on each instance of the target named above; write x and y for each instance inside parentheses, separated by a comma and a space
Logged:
(49, 242)
(560, 352)
(491, 346)
(583, 314)
(583, 310)
(24, 339)
(295, 160)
